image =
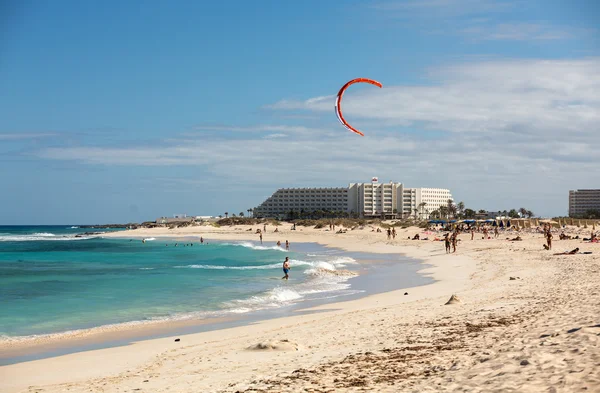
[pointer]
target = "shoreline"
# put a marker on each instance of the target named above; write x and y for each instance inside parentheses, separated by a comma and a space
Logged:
(514, 297)
(14, 350)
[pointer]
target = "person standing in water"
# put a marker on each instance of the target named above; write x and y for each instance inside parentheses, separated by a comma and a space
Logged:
(286, 268)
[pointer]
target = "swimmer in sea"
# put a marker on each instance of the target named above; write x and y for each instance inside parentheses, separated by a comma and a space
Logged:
(286, 268)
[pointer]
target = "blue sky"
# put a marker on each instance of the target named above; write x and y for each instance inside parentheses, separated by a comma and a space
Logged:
(127, 111)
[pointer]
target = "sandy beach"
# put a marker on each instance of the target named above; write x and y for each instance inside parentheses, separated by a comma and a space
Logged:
(525, 321)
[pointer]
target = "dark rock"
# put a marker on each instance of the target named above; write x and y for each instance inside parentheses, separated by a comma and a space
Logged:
(177, 339)
(405, 293)
(524, 362)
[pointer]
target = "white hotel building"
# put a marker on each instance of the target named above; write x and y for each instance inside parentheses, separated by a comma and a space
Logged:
(372, 199)
(582, 201)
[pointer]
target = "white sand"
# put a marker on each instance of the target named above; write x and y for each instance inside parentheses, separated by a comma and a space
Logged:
(539, 332)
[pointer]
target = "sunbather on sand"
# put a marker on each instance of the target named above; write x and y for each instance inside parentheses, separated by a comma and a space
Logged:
(572, 252)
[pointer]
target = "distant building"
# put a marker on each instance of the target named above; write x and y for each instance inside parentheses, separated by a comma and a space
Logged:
(284, 200)
(582, 201)
(173, 220)
(205, 218)
(374, 199)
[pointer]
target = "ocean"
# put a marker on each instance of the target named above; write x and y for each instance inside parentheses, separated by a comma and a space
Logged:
(53, 280)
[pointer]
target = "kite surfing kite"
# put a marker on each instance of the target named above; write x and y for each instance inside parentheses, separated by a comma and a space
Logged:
(338, 102)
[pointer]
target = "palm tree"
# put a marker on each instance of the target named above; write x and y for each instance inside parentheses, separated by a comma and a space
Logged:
(469, 213)
(435, 213)
(451, 208)
(530, 214)
(220, 216)
(461, 207)
(443, 210)
(226, 214)
(416, 212)
(249, 212)
(241, 214)
(523, 211)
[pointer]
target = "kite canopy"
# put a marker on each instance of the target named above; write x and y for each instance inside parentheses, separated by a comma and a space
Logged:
(338, 101)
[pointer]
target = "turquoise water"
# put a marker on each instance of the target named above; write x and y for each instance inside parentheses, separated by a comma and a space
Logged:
(52, 281)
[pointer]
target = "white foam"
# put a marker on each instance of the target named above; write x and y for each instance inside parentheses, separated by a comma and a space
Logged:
(277, 297)
(150, 239)
(330, 265)
(35, 237)
(256, 247)
(219, 267)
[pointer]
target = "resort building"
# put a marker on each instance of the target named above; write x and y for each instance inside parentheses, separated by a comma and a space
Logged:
(426, 200)
(374, 199)
(582, 201)
(285, 200)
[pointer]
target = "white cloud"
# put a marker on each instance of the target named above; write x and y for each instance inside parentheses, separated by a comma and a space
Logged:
(475, 20)
(497, 133)
(15, 136)
(522, 32)
(257, 128)
(270, 136)
(528, 96)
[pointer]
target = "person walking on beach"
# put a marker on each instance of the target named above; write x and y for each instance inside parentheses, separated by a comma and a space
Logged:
(389, 233)
(454, 241)
(286, 268)
(496, 233)
(447, 241)
(472, 233)
(265, 228)
(549, 239)
(393, 233)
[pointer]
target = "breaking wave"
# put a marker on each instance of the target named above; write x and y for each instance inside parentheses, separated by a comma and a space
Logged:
(41, 237)
(256, 247)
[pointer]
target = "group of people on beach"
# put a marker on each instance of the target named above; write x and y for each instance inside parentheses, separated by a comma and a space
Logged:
(287, 244)
(451, 240)
(286, 263)
(391, 233)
